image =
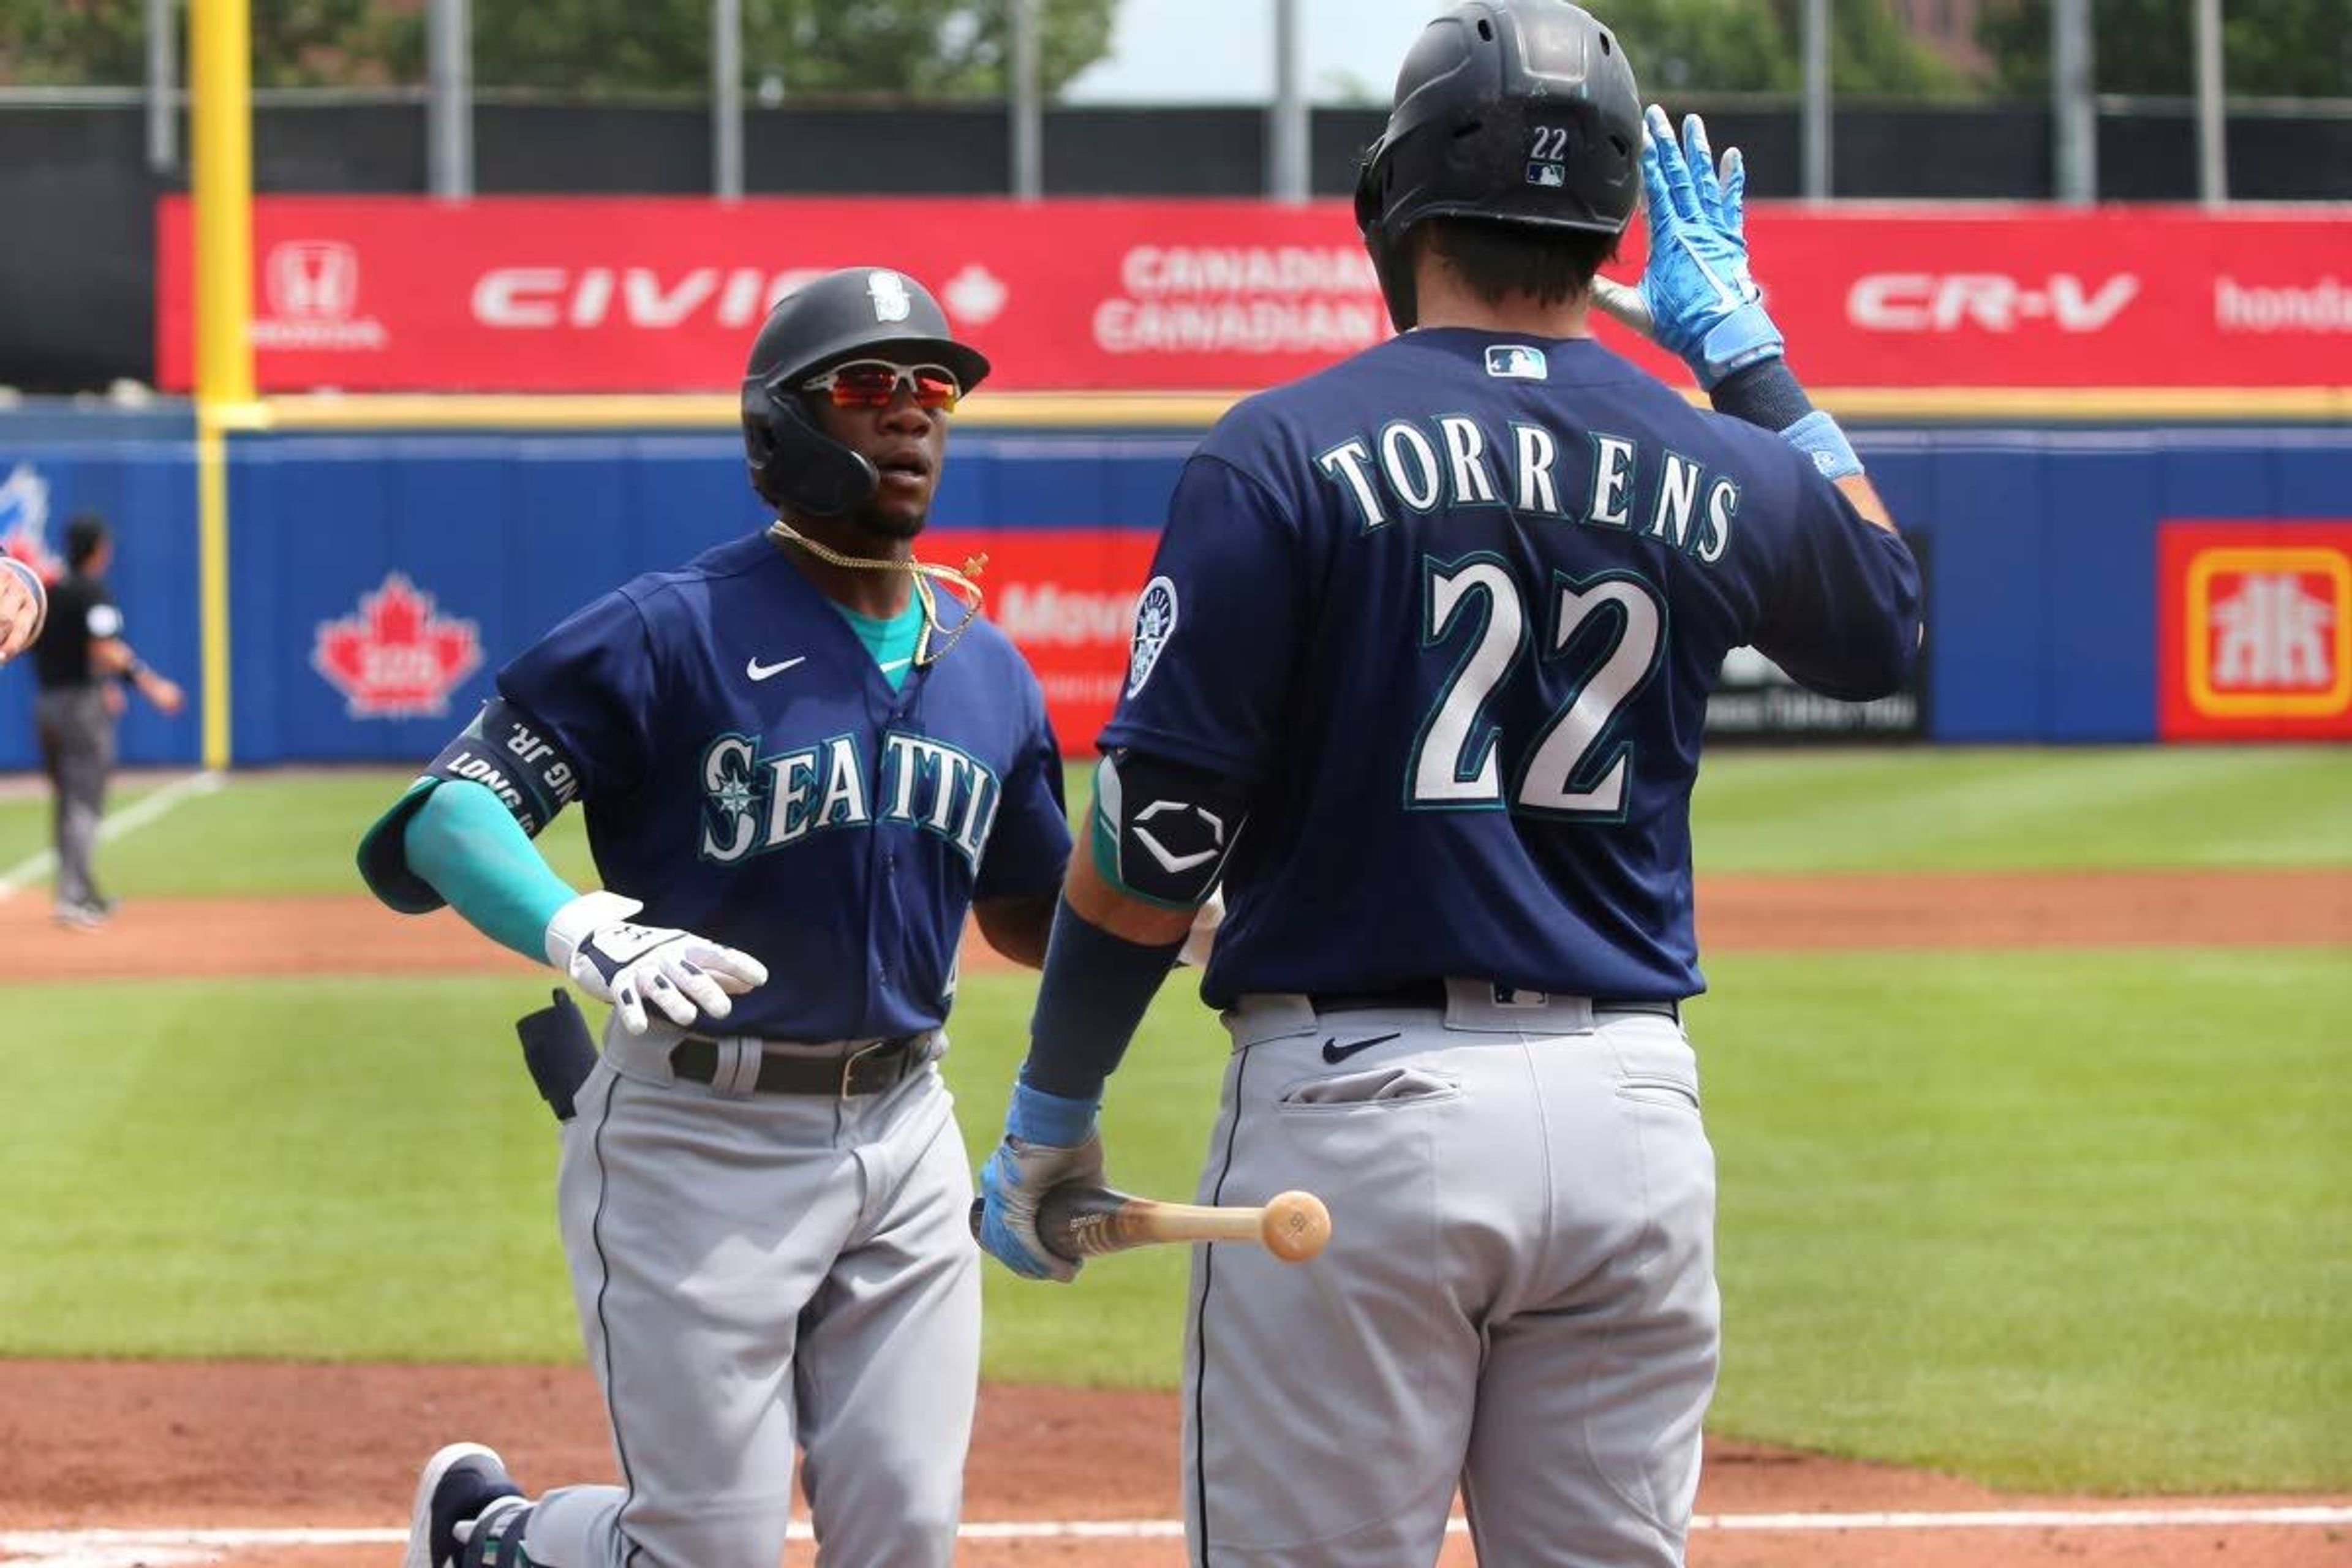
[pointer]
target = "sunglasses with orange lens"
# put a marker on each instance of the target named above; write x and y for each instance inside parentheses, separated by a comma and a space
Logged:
(875, 383)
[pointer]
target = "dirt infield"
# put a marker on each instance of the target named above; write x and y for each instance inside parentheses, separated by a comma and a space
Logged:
(168, 1445)
(355, 935)
(280, 1458)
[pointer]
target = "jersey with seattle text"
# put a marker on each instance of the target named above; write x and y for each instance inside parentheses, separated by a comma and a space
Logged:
(1450, 612)
(749, 772)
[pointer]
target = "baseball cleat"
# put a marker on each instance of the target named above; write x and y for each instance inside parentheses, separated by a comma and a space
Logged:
(456, 1485)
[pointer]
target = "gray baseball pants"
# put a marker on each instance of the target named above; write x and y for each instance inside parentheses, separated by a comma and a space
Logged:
(1519, 1297)
(755, 1272)
(77, 736)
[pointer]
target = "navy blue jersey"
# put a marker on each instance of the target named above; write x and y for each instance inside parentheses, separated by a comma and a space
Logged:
(1450, 611)
(749, 772)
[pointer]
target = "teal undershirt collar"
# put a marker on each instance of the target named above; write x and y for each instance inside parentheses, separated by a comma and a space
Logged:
(891, 642)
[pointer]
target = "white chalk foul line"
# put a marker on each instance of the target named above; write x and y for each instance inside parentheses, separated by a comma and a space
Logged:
(130, 819)
(174, 1548)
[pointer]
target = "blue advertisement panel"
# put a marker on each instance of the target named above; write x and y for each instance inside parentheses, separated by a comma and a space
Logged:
(378, 581)
(138, 474)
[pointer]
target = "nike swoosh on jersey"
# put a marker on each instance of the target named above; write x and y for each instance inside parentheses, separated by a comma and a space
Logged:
(1336, 1053)
(759, 671)
(896, 664)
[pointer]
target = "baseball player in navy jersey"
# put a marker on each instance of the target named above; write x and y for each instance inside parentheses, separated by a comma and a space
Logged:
(803, 764)
(1419, 676)
(24, 604)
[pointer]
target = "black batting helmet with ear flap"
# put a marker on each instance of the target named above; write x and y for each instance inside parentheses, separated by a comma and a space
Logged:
(857, 312)
(1515, 111)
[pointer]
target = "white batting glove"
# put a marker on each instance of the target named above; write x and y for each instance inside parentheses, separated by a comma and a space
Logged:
(24, 606)
(593, 940)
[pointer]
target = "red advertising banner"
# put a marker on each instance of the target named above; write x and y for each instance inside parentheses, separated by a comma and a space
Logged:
(1066, 598)
(660, 294)
(2254, 631)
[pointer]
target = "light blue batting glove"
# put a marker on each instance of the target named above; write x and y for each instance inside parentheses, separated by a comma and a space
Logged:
(1695, 290)
(1049, 1139)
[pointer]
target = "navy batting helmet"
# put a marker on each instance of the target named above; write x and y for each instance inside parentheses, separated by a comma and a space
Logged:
(1517, 111)
(844, 315)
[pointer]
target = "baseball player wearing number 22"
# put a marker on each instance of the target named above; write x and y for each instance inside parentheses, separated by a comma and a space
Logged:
(802, 765)
(1419, 676)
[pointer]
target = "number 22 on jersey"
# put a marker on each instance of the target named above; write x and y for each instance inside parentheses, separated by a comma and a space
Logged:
(1476, 604)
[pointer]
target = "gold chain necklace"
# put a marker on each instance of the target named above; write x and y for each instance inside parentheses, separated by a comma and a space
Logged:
(923, 571)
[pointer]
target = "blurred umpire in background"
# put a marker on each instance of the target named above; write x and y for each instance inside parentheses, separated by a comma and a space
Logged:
(77, 662)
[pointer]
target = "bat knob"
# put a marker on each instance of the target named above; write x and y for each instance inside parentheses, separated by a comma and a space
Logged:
(1295, 1226)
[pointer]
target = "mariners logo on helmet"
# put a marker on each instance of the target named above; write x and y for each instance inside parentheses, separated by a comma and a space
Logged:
(891, 300)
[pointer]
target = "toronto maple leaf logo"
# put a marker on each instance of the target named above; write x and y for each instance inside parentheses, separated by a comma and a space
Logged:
(976, 295)
(397, 658)
(24, 521)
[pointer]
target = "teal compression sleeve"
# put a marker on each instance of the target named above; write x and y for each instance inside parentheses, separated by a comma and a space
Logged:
(465, 843)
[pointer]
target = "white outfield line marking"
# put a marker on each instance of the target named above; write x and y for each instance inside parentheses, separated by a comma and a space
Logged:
(130, 819)
(160, 1548)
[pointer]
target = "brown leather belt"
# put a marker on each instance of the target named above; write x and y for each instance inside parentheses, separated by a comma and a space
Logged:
(883, 1065)
(1431, 994)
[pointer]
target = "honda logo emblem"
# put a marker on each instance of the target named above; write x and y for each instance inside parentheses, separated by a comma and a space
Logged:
(313, 281)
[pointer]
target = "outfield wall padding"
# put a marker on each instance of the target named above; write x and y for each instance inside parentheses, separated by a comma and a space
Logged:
(2044, 596)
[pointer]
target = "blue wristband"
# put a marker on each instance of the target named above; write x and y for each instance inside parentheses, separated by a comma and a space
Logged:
(1035, 1116)
(1818, 437)
(1095, 992)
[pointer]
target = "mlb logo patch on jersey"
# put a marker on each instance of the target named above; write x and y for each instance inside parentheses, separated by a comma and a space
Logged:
(1550, 176)
(1517, 361)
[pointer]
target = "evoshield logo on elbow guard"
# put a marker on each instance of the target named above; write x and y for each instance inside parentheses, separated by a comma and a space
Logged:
(1183, 824)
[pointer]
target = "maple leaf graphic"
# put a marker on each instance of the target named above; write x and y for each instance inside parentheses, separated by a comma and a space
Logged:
(398, 658)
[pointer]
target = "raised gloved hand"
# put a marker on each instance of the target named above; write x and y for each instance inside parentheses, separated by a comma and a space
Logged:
(1049, 1139)
(593, 940)
(1697, 297)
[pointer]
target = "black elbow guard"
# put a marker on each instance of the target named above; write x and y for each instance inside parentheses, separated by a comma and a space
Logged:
(1161, 830)
(504, 749)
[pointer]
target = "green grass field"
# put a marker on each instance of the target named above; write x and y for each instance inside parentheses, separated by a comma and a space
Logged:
(2064, 1219)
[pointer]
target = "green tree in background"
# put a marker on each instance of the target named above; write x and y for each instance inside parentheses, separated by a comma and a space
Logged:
(929, 48)
(44, 43)
(1753, 45)
(2270, 49)
(296, 43)
(907, 47)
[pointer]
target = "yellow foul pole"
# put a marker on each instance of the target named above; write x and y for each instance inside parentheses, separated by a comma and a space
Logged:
(219, 78)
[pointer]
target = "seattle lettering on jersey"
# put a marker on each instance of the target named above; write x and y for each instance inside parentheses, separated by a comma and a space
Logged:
(760, 803)
(1416, 467)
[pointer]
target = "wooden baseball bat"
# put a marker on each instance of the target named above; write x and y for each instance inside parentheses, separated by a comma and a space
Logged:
(1079, 1221)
